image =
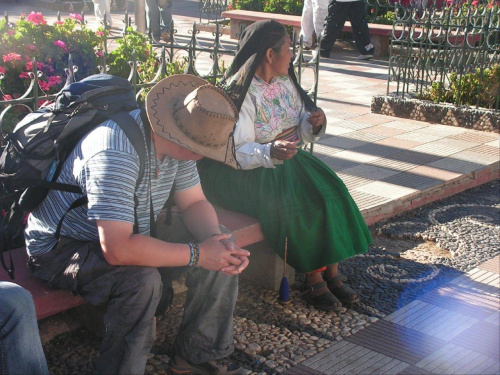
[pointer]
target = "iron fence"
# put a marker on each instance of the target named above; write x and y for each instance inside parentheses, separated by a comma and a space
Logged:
(449, 54)
(189, 49)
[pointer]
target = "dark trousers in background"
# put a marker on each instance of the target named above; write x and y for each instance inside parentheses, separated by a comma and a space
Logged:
(338, 13)
(132, 295)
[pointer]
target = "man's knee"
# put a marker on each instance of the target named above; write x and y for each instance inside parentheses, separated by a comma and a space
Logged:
(15, 298)
(142, 285)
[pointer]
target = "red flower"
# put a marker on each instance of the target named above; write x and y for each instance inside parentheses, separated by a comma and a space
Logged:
(11, 57)
(2, 70)
(36, 18)
(76, 16)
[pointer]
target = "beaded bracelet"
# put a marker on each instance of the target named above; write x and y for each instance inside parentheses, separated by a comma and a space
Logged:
(194, 254)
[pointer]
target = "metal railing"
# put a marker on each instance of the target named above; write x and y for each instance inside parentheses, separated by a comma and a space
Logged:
(448, 49)
(189, 49)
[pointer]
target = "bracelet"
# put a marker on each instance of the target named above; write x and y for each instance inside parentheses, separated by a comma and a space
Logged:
(194, 254)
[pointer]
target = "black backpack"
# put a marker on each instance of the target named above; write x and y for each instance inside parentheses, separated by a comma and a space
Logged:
(36, 150)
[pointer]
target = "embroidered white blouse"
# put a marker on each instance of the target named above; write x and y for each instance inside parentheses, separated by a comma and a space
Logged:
(268, 110)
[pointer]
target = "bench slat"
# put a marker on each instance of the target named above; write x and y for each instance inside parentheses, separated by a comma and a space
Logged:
(48, 301)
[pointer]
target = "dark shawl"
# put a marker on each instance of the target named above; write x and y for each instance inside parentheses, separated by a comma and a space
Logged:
(253, 43)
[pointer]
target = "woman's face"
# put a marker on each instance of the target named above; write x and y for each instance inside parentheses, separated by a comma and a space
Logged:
(282, 59)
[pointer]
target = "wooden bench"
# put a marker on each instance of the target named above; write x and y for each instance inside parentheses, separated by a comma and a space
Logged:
(380, 34)
(265, 269)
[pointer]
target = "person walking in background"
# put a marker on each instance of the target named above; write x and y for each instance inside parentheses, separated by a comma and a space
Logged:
(159, 17)
(312, 22)
(20, 346)
(101, 8)
(340, 11)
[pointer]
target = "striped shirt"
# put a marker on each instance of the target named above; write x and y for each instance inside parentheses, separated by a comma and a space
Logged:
(106, 167)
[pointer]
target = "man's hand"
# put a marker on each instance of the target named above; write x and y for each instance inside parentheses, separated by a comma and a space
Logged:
(283, 150)
(218, 253)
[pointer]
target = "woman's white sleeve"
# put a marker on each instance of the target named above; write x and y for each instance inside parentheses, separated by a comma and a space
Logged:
(249, 153)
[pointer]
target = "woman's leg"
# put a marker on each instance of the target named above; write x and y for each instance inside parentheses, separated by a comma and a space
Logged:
(336, 285)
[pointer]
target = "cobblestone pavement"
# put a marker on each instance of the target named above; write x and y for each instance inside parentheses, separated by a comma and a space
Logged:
(411, 254)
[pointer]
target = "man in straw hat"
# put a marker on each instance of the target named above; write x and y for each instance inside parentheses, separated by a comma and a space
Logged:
(101, 257)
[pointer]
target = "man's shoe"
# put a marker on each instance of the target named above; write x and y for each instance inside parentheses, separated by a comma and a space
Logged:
(365, 57)
(324, 53)
(370, 50)
(179, 365)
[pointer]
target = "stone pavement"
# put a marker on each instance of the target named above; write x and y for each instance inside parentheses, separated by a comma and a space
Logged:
(392, 165)
(453, 329)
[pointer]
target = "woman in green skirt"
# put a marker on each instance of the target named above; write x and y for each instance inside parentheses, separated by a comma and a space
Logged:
(268, 175)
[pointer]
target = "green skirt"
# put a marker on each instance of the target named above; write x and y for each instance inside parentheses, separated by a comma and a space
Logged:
(302, 200)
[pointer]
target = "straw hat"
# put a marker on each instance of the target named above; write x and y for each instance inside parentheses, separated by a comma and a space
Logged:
(194, 114)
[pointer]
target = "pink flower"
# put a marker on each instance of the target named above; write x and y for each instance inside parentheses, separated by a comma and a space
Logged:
(54, 80)
(36, 18)
(11, 57)
(24, 75)
(31, 47)
(271, 92)
(39, 65)
(7, 97)
(10, 32)
(99, 33)
(99, 53)
(44, 85)
(2, 70)
(61, 44)
(58, 23)
(76, 16)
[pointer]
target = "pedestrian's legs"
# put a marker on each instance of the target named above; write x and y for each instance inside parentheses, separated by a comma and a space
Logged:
(102, 7)
(360, 31)
(153, 19)
(165, 7)
(335, 20)
(306, 22)
(20, 347)
(320, 11)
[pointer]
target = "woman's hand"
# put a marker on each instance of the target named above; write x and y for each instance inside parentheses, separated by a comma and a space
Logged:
(283, 150)
(316, 119)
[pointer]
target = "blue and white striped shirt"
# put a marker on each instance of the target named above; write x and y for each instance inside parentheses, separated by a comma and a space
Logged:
(106, 167)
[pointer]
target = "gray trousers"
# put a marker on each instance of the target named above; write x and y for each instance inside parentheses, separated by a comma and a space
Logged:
(132, 294)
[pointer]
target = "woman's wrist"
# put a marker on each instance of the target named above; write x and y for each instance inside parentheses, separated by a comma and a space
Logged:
(272, 150)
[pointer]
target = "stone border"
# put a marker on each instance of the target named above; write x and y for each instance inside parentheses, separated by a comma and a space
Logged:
(446, 114)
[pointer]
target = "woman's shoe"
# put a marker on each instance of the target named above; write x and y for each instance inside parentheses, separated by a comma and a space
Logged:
(342, 291)
(321, 297)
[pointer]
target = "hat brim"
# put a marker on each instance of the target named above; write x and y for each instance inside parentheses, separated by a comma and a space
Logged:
(160, 103)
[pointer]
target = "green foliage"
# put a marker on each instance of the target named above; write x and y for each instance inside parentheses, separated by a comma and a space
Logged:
(482, 87)
(293, 7)
(133, 45)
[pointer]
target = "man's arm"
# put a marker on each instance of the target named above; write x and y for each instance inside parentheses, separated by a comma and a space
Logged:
(122, 247)
(201, 220)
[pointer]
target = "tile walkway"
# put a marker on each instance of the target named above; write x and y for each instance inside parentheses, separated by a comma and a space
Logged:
(391, 165)
(453, 329)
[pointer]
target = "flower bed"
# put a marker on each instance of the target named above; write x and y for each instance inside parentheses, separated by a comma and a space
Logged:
(34, 51)
(446, 114)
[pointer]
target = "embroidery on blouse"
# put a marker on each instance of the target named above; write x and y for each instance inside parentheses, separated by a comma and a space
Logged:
(275, 107)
